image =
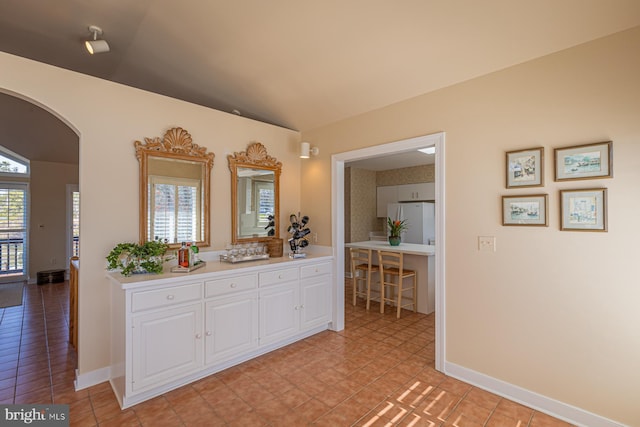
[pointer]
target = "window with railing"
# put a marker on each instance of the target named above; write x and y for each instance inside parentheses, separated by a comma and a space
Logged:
(75, 223)
(13, 228)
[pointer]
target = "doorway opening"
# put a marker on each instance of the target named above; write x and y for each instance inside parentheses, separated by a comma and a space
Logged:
(338, 225)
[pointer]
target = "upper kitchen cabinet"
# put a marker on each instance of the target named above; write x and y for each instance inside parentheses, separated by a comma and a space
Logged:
(424, 191)
(385, 195)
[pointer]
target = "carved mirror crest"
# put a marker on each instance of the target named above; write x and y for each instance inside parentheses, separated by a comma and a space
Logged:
(174, 188)
(255, 194)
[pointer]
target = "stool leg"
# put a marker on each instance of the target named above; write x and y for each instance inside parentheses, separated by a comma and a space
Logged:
(399, 298)
(354, 286)
(368, 290)
(382, 293)
(415, 293)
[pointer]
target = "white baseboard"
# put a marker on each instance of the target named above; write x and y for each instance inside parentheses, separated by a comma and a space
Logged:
(540, 403)
(92, 378)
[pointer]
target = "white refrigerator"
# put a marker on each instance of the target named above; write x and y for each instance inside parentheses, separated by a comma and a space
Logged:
(420, 219)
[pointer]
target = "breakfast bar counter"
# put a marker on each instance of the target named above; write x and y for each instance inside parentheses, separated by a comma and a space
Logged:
(420, 258)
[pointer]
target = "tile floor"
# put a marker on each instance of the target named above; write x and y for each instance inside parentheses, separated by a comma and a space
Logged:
(377, 372)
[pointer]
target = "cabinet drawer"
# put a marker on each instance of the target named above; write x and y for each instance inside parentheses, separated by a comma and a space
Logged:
(218, 287)
(315, 270)
(146, 300)
(278, 276)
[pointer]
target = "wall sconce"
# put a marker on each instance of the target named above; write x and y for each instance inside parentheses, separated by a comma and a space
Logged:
(95, 45)
(307, 150)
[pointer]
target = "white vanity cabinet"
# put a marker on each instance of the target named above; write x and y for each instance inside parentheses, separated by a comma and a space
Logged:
(315, 295)
(166, 334)
(231, 317)
(173, 329)
(294, 300)
(166, 345)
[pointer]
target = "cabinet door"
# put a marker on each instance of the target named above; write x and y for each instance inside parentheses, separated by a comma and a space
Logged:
(315, 297)
(279, 312)
(384, 196)
(231, 326)
(166, 345)
(416, 192)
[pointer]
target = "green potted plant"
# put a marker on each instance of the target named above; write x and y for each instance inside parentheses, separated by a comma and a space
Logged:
(396, 228)
(132, 258)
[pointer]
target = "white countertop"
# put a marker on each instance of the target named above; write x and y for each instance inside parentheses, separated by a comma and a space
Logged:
(407, 248)
(211, 268)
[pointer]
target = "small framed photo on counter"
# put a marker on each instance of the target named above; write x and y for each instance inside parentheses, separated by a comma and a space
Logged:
(525, 210)
(589, 161)
(583, 210)
(525, 168)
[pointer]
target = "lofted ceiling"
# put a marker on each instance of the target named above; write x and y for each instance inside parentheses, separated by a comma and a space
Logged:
(297, 63)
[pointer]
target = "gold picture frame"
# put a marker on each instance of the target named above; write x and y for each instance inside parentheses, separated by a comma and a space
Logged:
(583, 210)
(587, 161)
(525, 210)
(525, 168)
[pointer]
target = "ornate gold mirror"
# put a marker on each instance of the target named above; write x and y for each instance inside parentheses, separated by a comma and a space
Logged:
(255, 194)
(174, 189)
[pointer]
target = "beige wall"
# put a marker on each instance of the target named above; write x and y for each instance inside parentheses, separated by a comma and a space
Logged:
(108, 118)
(48, 216)
(551, 311)
(411, 175)
(363, 204)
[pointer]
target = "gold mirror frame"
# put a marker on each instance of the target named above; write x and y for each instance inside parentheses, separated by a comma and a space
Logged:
(255, 157)
(175, 145)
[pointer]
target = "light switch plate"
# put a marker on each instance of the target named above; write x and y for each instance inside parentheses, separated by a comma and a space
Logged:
(486, 243)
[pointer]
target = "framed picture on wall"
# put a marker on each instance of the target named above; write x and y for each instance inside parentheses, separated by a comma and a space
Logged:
(583, 210)
(589, 161)
(525, 210)
(525, 168)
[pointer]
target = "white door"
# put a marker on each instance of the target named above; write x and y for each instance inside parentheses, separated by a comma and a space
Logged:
(166, 345)
(231, 327)
(279, 312)
(316, 302)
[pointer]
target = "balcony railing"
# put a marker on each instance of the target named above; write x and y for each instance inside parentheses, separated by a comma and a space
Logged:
(11, 256)
(76, 246)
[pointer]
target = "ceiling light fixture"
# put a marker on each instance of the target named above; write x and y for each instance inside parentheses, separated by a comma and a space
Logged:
(307, 150)
(95, 45)
(428, 150)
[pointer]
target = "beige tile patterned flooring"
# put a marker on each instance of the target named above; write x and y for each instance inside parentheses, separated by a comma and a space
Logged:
(377, 372)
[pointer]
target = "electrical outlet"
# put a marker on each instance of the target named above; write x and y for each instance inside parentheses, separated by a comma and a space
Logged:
(486, 243)
(53, 261)
(315, 237)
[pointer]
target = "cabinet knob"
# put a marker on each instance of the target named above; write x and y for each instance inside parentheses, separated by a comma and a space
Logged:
(198, 336)
(170, 297)
(279, 276)
(233, 285)
(208, 333)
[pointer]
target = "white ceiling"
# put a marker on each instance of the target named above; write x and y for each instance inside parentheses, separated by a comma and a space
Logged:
(297, 63)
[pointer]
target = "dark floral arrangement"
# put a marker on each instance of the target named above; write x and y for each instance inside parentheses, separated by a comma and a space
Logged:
(299, 232)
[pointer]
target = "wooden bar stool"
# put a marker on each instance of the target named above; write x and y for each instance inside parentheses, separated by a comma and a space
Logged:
(361, 263)
(391, 267)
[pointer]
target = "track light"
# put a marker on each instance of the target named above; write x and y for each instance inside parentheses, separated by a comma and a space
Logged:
(306, 150)
(95, 45)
